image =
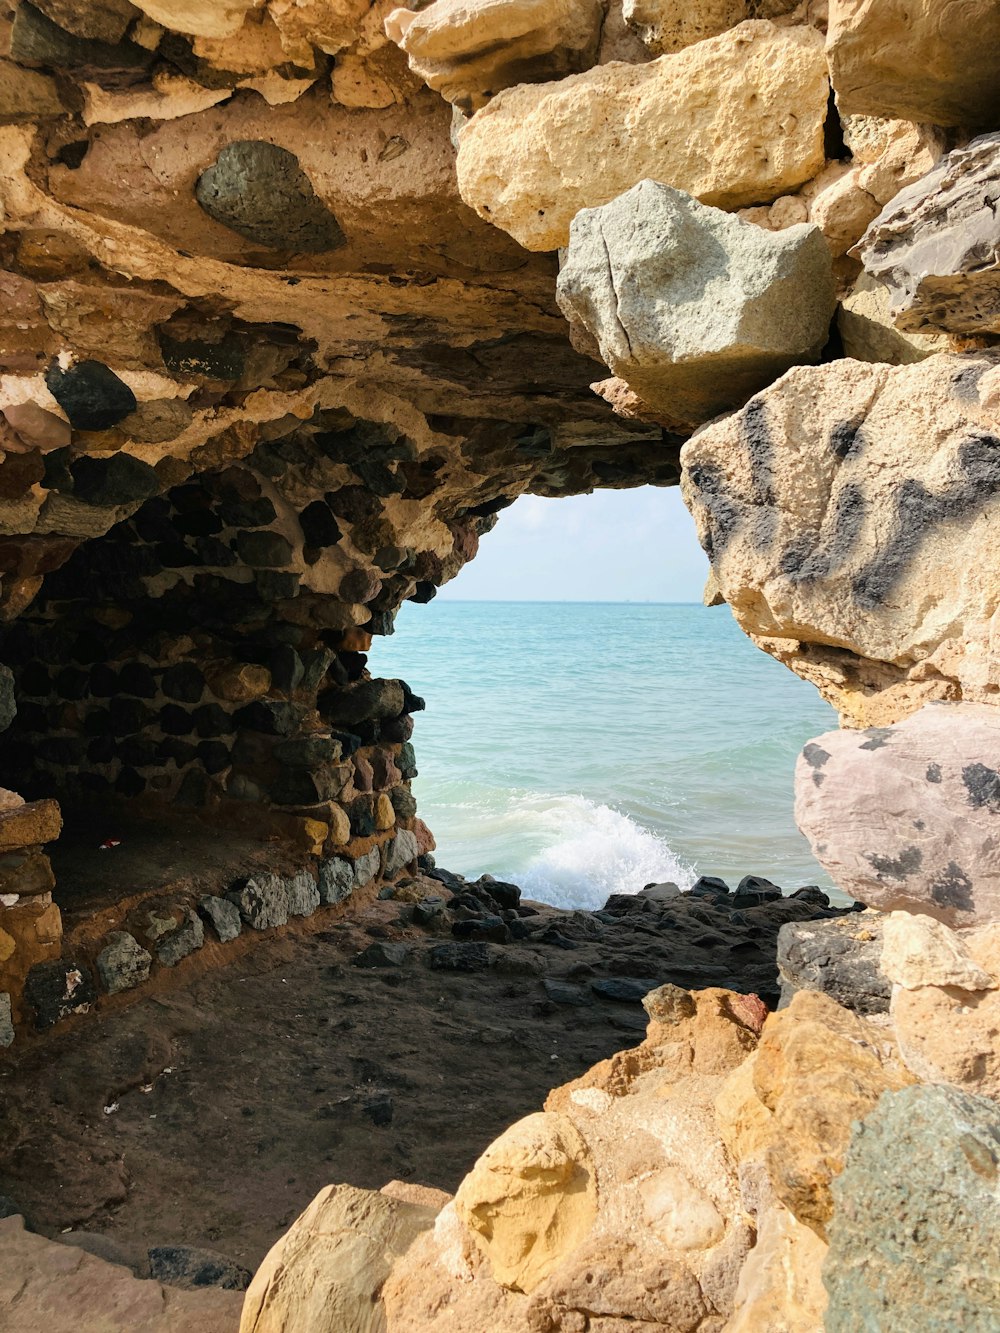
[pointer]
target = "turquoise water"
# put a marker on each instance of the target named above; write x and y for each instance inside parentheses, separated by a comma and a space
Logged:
(581, 749)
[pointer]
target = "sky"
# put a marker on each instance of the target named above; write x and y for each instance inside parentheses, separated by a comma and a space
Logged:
(612, 546)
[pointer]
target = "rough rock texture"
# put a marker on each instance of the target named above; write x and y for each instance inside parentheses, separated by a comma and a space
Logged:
(921, 1176)
(670, 25)
(841, 958)
(868, 332)
(865, 562)
(917, 60)
(936, 245)
(693, 309)
(906, 816)
(532, 158)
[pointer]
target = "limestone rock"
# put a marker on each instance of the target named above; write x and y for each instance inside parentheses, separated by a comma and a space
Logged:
(841, 958)
(919, 951)
(936, 245)
(918, 61)
(670, 25)
(217, 18)
(864, 563)
(780, 1288)
(891, 154)
(905, 817)
(467, 50)
(868, 332)
(920, 1176)
(531, 159)
(326, 1273)
(693, 348)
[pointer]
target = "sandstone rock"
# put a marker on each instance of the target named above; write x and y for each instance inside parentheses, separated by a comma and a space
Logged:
(891, 154)
(761, 301)
(841, 958)
(325, 1275)
(920, 1175)
(467, 50)
(827, 555)
(903, 817)
(29, 824)
(915, 61)
(869, 334)
(936, 245)
(670, 25)
(218, 18)
(123, 962)
(531, 159)
(780, 1288)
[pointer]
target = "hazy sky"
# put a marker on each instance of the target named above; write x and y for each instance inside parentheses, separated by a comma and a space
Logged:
(612, 546)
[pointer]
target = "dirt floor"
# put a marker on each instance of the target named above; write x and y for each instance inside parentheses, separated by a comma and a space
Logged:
(210, 1114)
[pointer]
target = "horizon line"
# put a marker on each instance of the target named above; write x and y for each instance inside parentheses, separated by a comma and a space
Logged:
(568, 601)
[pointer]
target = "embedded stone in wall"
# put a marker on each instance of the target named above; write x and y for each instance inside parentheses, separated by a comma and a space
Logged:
(91, 394)
(336, 880)
(6, 1021)
(184, 939)
(936, 245)
(55, 990)
(670, 25)
(123, 962)
(262, 901)
(847, 512)
(762, 301)
(303, 895)
(915, 60)
(535, 155)
(260, 191)
(467, 50)
(223, 915)
(907, 817)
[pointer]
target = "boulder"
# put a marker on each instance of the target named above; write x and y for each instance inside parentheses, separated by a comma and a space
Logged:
(847, 512)
(468, 50)
(841, 958)
(936, 245)
(913, 1236)
(908, 816)
(670, 25)
(693, 347)
(537, 154)
(916, 60)
(123, 962)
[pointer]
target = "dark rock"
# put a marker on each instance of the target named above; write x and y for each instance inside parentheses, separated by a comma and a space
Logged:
(188, 936)
(362, 817)
(213, 756)
(8, 704)
(262, 901)
(556, 938)
(336, 880)
(223, 915)
(35, 39)
(134, 678)
(113, 479)
(263, 549)
(403, 802)
(7, 1033)
(453, 882)
(248, 513)
(709, 886)
(272, 717)
(8, 1208)
(811, 893)
(504, 895)
(259, 191)
(368, 699)
(565, 992)
(406, 762)
(287, 669)
(383, 953)
(661, 894)
(187, 1267)
(378, 1107)
(183, 682)
(627, 990)
(429, 911)
(628, 1022)
(307, 751)
(57, 989)
(485, 928)
(455, 957)
(223, 360)
(303, 895)
(841, 957)
(91, 395)
(319, 527)
(122, 963)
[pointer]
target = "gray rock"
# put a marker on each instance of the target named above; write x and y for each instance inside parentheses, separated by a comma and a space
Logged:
(189, 936)
(383, 953)
(223, 915)
(303, 895)
(366, 868)
(913, 1240)
(123, 962)
(627, 990)
(936, 246)
(456, 957)
(262, 901)
(566, 992)
(429, 912)
(259, 191)
(6, 1024)
(188, 1267)
(695, 309)
(104, 1247)
(659, 893)
(839, 957)
(336, 880)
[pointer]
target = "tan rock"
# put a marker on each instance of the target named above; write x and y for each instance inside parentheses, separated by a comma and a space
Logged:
(468, 50)
(203, 18)
(325, 1275)
(536, 155)
(28, 825)
(869, 334)
(842, 208)
(891, 154)
(781, 1288)
(670, 25)
(385, 815)
(919, 951)
(912, 60)
(339, 826)
(865, 565)
(947, 1035)
(530, 1199)
(239, 682)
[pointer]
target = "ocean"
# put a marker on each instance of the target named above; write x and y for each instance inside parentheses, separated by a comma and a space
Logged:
(580, 749)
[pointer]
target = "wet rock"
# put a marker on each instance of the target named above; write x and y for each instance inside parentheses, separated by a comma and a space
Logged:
(262, 901)
(336, 880)
(189, 936)
(91, 394)
(188, 1267)
(506, 896)
(57, 989)
(709, 886)
(465, 957)
(936, 246)
(841, 958)
(920, 1175)
(6, 1028)
(123, 962)
(626, 282)
(223, 915)
(303, 895)
(525, 166)
(260, 191)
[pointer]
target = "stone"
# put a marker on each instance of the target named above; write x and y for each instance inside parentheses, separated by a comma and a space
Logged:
(468, 50)
(530, 1200)
(115, 480)
(189, 1268)
(915, 62)
(57, 989)
(626, 990)
(123, 962)
(6, 1021)
(303, 895)
(369, 700)
(669, 1004)
(327, 1272)
(919, 951)
(223, 915)
(920, 1175)
(385, 817)
(26, 95)
(780, 1289)
(840, 958)
(36, 427)
(366, 868)
(666, 25)
(91, 394)
(537, 154)
(936, 246)
(184, 940)
(626, 279)
(262, 901)
(566, 992)
(26, 874)
(462, 957)
(869, 334)
(336, 880)
(29, 824)
(903, 817)
(400, 852)
(259, 190)
(849, 537)
(240, 683)
(382, 953)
